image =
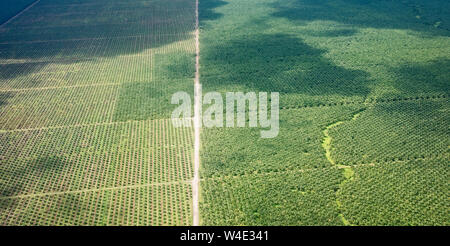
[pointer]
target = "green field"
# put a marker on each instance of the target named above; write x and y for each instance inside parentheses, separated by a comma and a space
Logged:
(85, 130)
(86, 136)
(364, 137)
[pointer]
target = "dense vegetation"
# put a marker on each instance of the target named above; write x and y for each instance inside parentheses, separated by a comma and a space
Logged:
(86, 139)
(364, 88)
(394, 131)
(402, 193)
(285, 198)
(298, 145)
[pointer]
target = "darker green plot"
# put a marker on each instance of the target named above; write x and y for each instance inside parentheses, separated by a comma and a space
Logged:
(283, 63)
(141, 101)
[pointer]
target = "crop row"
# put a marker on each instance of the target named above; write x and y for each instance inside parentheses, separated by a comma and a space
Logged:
(142, 68)
(297, 198)
(311, 60)
(136, 68)
(88, 105)
(78, 91)
(90, 48)
(387, 132)
(59, 107)
(237, 151)
(100, 30)
(106, 4)
(141, 101)
(407, 193)
(94, 157)
(148, 134)
(148, 205)
(327, 53)
(180, 13)
(410, 193)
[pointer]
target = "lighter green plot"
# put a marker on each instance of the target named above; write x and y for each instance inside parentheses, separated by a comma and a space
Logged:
(402, 193)
(391, 131)
(287, 198)
(237, 151)
(159, 205)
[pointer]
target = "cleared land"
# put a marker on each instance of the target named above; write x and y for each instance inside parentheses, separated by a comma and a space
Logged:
(85, 134)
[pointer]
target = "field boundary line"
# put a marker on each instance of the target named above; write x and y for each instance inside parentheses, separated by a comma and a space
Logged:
(85, 4)
(24, 26)
(112, 12)
(94, 190)
(83, 125)
(58, 87)
(20, 13)
(81, 86)
(9, 61)
(369, 164)
(372, 101)
(88, 39)
(197, 123)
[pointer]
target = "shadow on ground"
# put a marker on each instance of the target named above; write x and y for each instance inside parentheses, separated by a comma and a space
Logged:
(429, 17)
(19, 180)
(4, 97)
(278, 62)
(416, 79)
(207, 9)
(156, 24)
